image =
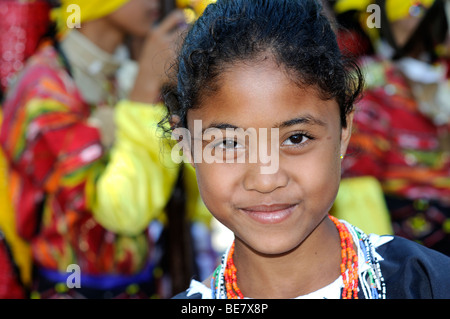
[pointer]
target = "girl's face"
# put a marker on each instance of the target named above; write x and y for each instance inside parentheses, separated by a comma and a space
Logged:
(271, 213)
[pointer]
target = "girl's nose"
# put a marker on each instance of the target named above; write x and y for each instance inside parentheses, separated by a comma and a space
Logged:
(254, 180)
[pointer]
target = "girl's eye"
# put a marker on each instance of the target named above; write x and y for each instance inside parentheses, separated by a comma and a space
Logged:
(296, 139)
(228, 144)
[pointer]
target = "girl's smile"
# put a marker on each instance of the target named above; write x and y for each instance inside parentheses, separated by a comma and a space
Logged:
(269, 214)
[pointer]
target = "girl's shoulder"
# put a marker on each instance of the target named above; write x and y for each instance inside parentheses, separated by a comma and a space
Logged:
(403, 252)
(414, 271)
(406, 269)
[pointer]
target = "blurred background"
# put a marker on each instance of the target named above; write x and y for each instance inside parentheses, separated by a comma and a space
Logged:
(76, 84)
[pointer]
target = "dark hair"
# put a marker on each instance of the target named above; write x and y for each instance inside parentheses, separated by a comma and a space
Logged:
(295, 33)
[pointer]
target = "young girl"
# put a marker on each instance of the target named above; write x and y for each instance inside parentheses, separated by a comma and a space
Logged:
(275, 65)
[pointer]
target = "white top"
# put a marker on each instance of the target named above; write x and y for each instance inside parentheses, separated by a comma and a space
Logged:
(331, 291)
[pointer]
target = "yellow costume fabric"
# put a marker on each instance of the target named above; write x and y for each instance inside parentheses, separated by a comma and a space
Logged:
(348, 5)
(89, 10)
(20, 249)
(360, 201)
(395, 9)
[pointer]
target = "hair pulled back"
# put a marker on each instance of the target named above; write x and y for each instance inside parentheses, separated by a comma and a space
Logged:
(295, 33)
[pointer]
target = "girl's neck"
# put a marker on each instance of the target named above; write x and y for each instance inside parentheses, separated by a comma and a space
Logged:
(312, 265)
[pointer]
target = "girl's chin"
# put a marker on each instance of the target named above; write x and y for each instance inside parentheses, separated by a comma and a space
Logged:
(271, 245)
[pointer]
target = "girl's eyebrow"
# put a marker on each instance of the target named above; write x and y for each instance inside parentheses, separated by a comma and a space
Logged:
(308, 119)
(220, 126)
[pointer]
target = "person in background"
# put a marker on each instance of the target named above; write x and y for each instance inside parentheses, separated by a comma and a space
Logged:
(22, 25)
(368, 210)
(402, 123)
(88, 171)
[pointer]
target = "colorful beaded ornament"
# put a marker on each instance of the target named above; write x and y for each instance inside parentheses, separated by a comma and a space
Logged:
(224, 279)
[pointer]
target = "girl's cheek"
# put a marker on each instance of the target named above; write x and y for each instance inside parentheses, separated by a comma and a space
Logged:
(213, 183)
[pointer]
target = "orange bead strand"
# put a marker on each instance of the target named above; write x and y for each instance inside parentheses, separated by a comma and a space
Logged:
(349, 264)
(233, 291)
(348, 267)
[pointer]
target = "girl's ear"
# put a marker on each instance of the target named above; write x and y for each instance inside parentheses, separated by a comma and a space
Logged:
(346, 133)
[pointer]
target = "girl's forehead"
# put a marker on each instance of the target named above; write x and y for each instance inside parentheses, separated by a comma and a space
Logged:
(261, 94)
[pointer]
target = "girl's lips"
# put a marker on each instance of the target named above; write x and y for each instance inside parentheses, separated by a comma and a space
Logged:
(269, 214)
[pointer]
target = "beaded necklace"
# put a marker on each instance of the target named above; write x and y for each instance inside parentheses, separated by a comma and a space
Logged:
(224, 279)
(349, 263)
